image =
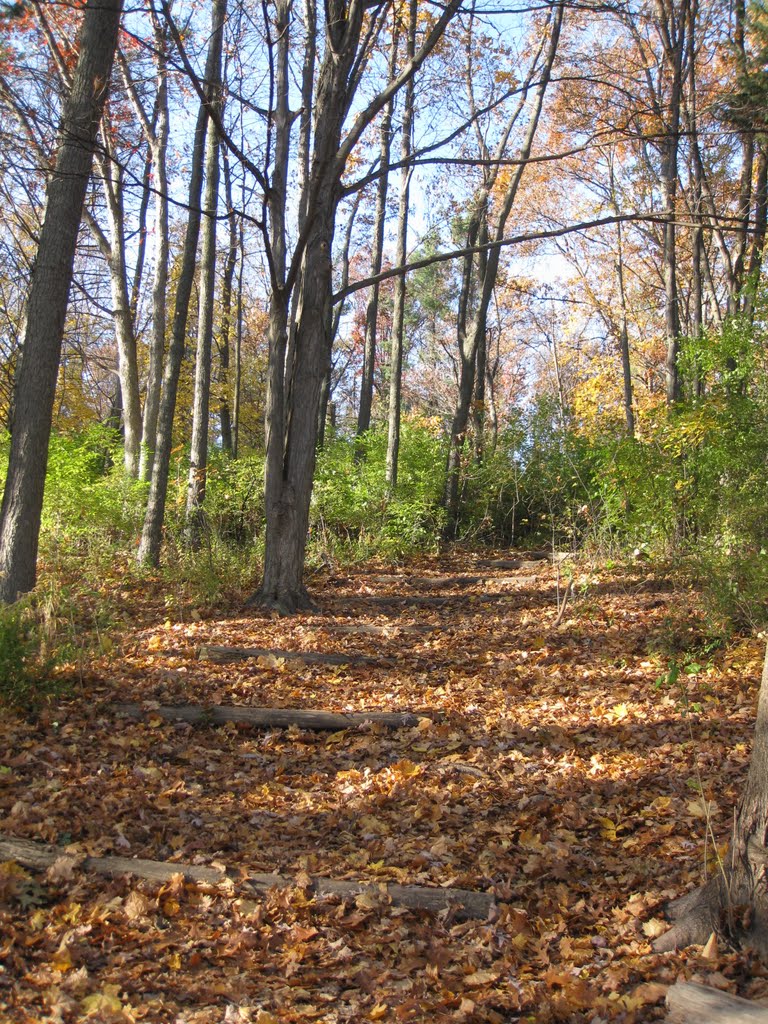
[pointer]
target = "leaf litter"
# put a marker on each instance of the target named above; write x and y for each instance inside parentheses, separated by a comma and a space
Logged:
(557, 768)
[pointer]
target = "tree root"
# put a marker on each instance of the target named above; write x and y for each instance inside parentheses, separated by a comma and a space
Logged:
(696, 915)
(284, 604)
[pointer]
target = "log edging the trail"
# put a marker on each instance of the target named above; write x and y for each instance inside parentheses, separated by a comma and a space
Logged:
(465, 903)
(690, 1003)
(224, 655)
(272, 718)
(370, 629)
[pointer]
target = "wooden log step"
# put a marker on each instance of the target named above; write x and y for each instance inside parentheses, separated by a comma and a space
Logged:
(431, 600)
(689, 1003)
(271, 718)
(368, 629)
(466, 903)
(224, 655)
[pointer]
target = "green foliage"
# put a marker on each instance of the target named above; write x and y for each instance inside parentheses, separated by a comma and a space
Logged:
(25, 664)
(353, 515)
(90, 504)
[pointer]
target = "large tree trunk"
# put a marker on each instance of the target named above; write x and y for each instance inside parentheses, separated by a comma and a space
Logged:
(48, 297)
(295, 384)
(294, 395)
(735, 900)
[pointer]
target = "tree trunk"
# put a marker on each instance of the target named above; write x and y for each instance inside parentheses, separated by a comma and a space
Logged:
(758, 236)
(626, 365)
(111, 174)
(295, 384)
(159, 146)
(672, 26)
(735, 900)
(152, 533)
(372, 310)
(48, 298)
(469, 337)
(225, 335)
(398, 313)
(198, 456)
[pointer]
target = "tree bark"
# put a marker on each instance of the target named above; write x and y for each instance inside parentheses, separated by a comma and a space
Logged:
(198, 456)
(673, 23)
(462, 902)
(152, 533)
(372, 309)
(735, 900)
(689, 1003)
(274, 718)
(225, 334)
(47, 301)
(295, 384)
(398, 312)
(158, 140)
(469, 330)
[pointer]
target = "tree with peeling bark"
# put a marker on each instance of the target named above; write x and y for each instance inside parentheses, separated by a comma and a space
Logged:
(48, 298)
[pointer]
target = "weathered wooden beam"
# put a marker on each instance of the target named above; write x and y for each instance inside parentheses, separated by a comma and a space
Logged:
(271, 718)
(224, 655)
(689, 1003)
(465, 903)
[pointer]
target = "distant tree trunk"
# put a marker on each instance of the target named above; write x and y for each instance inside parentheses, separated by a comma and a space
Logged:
(481, 361)
(238, 346)
(225, 334)
(758, 236)
(626, 365)
(735, 900)
(672, 26)
(198, 456)
(152, 533)
(745, 180)
(398, 313)
(113, 251)
(47, 301)
(372, 310)
(112, 176)
(470, 331)
(159, 144)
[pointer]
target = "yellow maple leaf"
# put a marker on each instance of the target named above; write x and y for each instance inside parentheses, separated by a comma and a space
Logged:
(107, 1001)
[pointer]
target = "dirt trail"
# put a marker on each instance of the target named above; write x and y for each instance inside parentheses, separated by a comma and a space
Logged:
(550, 767)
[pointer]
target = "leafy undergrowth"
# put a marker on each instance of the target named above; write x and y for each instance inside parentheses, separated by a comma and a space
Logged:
(566, 768)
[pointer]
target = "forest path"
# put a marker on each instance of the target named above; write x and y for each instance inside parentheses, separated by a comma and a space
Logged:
(555, 767)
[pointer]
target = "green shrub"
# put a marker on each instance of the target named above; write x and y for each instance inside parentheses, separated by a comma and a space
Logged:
(353, 515)
(24, 664)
